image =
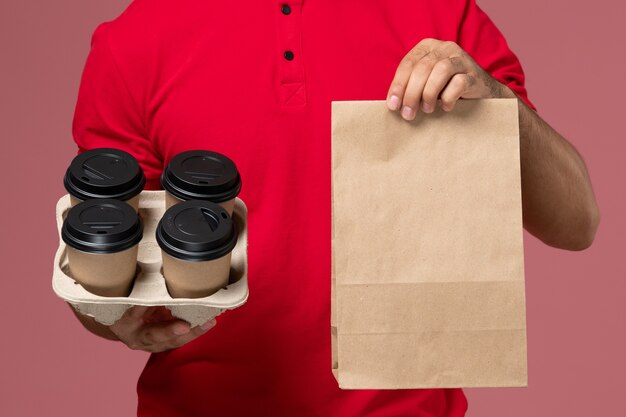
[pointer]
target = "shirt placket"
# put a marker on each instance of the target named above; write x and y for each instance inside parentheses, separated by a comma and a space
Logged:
(291, 67)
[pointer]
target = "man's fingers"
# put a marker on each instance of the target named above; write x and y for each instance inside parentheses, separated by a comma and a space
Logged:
(431, 63)
(130, 322)
(159, 337)
(155, 334)
(438, 69)
(398, 85)
(395, 95)
(428, 44)
(415, 86)
(158, 314)
(194, 333)
(454, 91)
(442, 73)
(137, 312)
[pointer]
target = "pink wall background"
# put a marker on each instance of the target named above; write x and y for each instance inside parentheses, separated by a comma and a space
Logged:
(573, 54)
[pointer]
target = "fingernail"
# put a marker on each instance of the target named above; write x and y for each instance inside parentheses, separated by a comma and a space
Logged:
(181, 330)
(394, 103)
(208, 324)
(426, 107)
(407, 113)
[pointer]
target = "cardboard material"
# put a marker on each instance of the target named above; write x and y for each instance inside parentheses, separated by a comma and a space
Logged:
(181, 277)
(428, 270)
(107, 275)
(149, 286)
(170, 200)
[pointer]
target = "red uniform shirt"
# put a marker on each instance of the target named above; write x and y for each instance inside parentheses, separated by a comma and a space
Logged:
(169, 76)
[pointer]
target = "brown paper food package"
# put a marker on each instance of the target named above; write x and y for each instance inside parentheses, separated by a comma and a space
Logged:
(428, 269)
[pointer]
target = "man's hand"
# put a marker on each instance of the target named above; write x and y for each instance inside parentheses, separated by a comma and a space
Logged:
(154, 329)
(437, 69)
(558, 202)
(151, 329)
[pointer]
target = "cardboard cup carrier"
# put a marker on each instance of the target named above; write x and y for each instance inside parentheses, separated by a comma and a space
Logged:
(149, 287)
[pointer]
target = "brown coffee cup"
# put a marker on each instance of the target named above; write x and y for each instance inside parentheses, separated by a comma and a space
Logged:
(102, 239)
(104, 173)
(196, 239)
(133, 202)
(201, 175)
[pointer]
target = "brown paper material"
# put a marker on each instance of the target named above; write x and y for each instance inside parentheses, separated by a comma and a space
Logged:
(170, 200)
(106, 275)
(195, 279)
(428, 270)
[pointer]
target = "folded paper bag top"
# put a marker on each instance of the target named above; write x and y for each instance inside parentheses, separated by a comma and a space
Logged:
(430, 292)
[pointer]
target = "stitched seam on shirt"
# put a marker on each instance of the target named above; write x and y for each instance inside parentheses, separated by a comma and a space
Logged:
(295, 93)
(302, 52)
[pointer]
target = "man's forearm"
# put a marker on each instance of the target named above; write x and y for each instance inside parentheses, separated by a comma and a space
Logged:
(559, 205)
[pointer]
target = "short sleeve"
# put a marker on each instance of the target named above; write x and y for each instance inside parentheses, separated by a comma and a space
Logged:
(484, 42)
(106, 114)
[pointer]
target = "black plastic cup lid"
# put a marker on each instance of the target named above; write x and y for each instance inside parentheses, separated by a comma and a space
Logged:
(102, 226)
(104, 173)
(201, 175)
(196, 231)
